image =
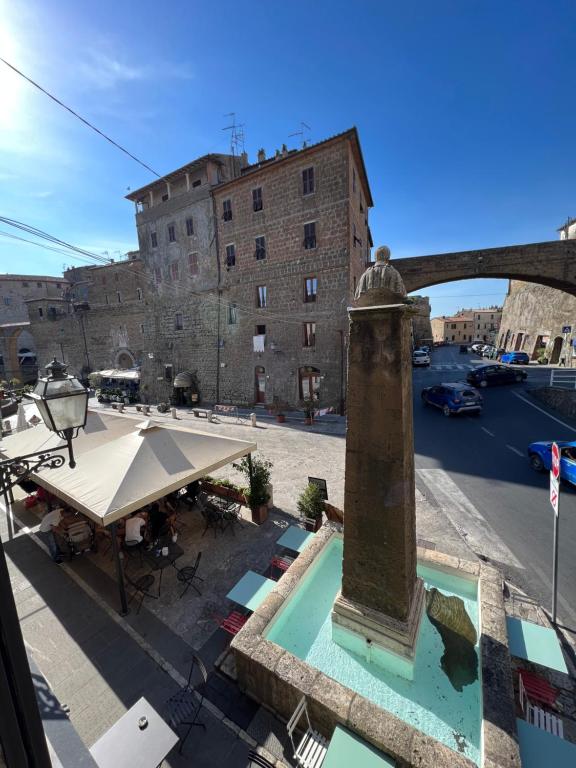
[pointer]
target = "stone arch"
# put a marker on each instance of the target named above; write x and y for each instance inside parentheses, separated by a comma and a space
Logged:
(124, 359)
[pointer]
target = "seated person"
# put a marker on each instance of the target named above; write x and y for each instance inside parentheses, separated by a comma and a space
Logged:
(49, 526)
(159, 522)
(569, 452)
(134, 525)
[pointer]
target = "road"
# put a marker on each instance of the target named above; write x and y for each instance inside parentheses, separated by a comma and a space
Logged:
(477, 470)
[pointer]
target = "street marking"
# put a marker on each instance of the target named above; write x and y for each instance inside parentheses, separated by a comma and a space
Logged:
(515, 450)
(563, 423)
(466, 518)
(487, 431)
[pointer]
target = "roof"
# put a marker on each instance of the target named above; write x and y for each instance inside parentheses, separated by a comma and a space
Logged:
(455, 318)
(297, 154)
(25, 278)
(173, 175)
(567, 223)
(123, 463)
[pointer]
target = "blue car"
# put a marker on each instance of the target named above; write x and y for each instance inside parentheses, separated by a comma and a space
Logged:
(540, 455)
(453, 398)
(515, 358)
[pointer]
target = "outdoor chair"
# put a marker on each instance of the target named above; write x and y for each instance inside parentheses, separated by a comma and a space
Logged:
(133, 546)
(232, 623)
(183, 708)
(257, 761)
(141, 586)
(280, 564)
(187, 575)
(213, 519)
(535, 688)
(312, 747)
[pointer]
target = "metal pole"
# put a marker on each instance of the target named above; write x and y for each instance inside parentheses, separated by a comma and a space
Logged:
(119, 571)
(555, 563)
(250, 474)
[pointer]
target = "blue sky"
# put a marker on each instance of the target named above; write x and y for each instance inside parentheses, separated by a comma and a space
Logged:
(465, 109)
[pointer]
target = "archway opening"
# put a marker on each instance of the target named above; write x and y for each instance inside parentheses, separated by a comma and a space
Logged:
(556, 350)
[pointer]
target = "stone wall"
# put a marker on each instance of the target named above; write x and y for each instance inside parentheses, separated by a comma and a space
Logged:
(561, 400)
(533, 318)
(421, 325)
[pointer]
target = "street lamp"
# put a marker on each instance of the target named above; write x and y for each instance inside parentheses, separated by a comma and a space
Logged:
(63, 404)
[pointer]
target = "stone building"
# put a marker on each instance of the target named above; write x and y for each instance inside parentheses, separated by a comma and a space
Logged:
(421, 326)
(458, 329)
(100, 321)
(540, 320)
(18, 351)
(254, 267)
(486, 323)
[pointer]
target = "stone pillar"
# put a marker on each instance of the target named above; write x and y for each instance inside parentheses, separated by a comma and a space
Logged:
(378, 611)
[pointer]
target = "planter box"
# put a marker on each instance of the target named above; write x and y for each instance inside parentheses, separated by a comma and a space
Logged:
(260, 514)
(224, 492)
(316, 527)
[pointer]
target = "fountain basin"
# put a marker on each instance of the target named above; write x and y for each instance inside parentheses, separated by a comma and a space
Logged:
(286, 649)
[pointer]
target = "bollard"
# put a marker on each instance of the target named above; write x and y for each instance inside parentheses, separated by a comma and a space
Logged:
(253, 419)
(174, 413)
(120, 407)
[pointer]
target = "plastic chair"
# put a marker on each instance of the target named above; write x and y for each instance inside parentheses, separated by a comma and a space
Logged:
(184, 707)
(312, 747)
(232, 623)
(535, 688)
(257, 760)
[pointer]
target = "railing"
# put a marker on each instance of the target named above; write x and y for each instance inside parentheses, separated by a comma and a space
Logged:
(563, 378)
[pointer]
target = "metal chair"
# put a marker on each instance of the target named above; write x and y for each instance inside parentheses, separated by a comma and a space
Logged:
(257, 760)
(187, 575)
(184, 707)
(312, 747)
(141, 585)
(132, 546)
(281, 564)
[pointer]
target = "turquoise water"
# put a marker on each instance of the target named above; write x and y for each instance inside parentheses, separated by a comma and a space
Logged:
(429, 702)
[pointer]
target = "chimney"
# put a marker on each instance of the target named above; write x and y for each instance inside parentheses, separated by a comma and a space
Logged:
(243, 159)
(261, 155)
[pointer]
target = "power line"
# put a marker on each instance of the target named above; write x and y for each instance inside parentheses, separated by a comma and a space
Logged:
(79, 117)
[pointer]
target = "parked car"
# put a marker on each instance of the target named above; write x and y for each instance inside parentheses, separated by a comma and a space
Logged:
(419, 357)
(478, 347)
(540, 455)
(488, 375)
(489, 350)
(515, 358)
(453, 398)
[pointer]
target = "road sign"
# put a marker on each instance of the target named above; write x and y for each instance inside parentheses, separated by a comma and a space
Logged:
(555, 461)
(554, 492)
(566, 329)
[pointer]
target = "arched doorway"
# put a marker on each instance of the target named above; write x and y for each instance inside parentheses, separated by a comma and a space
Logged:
(556, 350)
(124, 360)
(260, 384)
(309, 380)
(518, 344)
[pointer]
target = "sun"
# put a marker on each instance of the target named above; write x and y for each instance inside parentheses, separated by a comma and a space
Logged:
(11, 84)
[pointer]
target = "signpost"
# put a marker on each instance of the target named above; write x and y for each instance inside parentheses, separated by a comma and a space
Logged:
(555, 502)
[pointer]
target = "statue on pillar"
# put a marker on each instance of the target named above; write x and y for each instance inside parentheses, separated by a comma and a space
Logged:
(381, 283)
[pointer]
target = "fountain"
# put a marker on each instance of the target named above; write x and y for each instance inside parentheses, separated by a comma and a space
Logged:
(406, 647)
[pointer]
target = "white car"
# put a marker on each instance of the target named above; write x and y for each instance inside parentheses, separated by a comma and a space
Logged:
(419, 357)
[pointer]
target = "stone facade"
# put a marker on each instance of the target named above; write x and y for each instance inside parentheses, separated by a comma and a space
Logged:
(468, 325)
(101, 321)
(421, 325)
(535, 315)
(17, 344)
(251, 297)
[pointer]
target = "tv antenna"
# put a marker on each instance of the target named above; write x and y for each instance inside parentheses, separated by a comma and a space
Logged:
(236, 135)
(304, 133)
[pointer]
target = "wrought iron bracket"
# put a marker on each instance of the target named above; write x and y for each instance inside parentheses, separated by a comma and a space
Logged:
(13, 471)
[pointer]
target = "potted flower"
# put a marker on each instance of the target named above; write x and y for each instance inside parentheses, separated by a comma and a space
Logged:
(311, 506)
(257, 494)
(308, 407)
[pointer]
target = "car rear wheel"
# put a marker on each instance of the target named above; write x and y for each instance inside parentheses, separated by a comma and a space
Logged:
(536, 462)
(483, 383)
(446, 411)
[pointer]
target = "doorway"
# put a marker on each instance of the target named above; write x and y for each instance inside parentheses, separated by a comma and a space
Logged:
(556, 350)
(518, 342)
(260, 381)
(309, 383)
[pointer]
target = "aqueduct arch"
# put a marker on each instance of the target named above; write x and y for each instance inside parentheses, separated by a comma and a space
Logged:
(551, 263)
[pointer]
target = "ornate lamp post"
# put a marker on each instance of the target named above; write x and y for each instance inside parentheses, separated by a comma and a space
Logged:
(63, 404)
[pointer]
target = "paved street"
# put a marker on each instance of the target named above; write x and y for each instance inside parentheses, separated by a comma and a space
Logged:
(478, 467)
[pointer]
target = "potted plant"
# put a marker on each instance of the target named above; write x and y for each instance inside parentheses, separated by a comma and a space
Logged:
(278, 408)
(311, 506)
(257, 494)
(308, 407)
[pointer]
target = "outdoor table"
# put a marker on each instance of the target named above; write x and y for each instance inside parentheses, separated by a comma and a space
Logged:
(347, 749)
(294, 538)
(125, 744)
(251, 590)
(159, 562)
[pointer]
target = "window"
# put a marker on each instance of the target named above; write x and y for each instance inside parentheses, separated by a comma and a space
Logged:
(139, 293)
(40, 311)
(230, 255)
(39, 285)
(260, 252)
(153, 239)
(227, 210)
(165, 197)
(142, 328)
(57, 285)
(308, 181)
(361, 206)
(178, 322)
(171, 233)
(261, 296)
(168, 372)
(260, 330)
(174, 270)
(7, 300)
(158, 273)
(232, 314)
(193, 263)
(189, 227)
(257, 199)
(309, 334)
(106, 298)
(453, 325)
(119, 297)
(353, 180)
(310, 288)
(24, 284)
(310, 235)
(197, 182)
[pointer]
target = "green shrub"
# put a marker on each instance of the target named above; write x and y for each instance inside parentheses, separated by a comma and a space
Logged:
(310, 502)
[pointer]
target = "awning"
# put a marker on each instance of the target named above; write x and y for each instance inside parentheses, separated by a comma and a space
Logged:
(123, 463)
(118, 373)
(184, 379)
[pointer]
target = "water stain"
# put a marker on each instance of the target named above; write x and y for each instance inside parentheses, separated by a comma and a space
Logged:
(449, 616)
(460, 740)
